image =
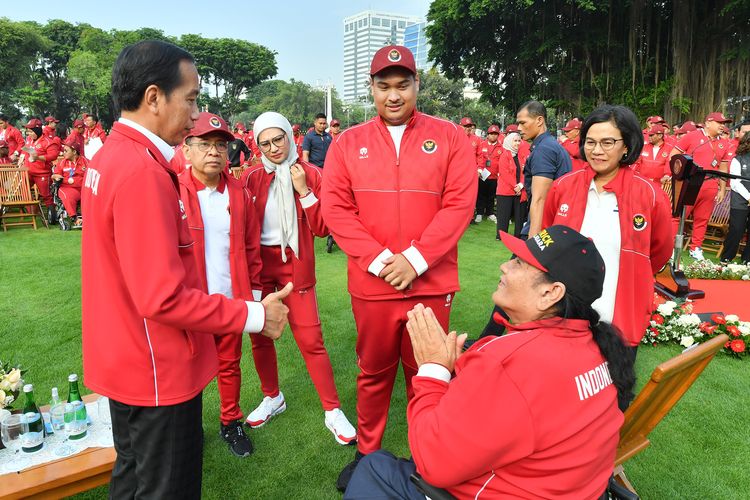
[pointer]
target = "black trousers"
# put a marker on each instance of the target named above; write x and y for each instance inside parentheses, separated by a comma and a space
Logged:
(739, 224)
(507, 207)
(486, 197)
(159, 450)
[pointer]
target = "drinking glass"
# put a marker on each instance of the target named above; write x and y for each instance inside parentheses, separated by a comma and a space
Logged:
(57, 418)
(102, 407)
(11, 429)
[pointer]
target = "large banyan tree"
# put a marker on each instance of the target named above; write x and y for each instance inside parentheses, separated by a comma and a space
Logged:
(676, 58)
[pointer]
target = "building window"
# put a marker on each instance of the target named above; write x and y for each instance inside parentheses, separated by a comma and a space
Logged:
(387, 23)
(376, 21)
(401, 24)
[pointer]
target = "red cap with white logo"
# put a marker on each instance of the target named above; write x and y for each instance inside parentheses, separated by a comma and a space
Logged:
(390, 56)
(209, 123)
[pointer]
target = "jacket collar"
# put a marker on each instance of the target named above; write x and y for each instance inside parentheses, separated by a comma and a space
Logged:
(187, 179)
(133, 134)
(165, 149)
(409, 124)
(575, 326)
(617, 184)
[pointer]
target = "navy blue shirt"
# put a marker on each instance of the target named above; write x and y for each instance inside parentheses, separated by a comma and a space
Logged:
(547, 159)
(317, 145)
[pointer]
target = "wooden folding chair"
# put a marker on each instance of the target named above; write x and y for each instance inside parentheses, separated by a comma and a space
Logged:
(17, 204)
(669, 382)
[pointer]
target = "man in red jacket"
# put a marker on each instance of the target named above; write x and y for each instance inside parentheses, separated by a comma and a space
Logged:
(571, 142)
(12, 136)
(93, 133)
(227, 252)
(144, 312)
(653, 163)
(398, 192)
(50, 130)
(710, 152)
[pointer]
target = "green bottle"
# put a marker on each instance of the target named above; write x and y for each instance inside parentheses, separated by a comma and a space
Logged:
(33, 439)
(77, 429)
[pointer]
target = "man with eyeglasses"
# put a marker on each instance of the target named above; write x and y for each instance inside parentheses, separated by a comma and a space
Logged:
(221, 216)
(316, 143)
(654, 160)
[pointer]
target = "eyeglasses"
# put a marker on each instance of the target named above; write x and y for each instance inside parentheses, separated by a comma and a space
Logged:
(203, 147)
(607, 143)
(277, 141)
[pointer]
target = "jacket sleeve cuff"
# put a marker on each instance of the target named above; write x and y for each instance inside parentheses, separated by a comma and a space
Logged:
(308, 200)
(415, 259)
(434, 370)
(377, 265)
(256, 317)
(257, 295)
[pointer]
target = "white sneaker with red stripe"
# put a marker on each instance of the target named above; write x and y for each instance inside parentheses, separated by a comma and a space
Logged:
(339, 425)
(268, 408)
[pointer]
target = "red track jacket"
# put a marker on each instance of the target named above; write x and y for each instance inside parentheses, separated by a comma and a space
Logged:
(141, 292)
(654, 168)
(646, 232)
(309, 220)
(573, 149)
(372, 200)
(43, 148)
(14, 138)
(506, 178)
(244, 234)
(553, 422)
(490, 152)
(63, 167)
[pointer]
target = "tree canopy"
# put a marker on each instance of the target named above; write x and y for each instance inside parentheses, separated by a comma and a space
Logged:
(675, 59)
(64, 69)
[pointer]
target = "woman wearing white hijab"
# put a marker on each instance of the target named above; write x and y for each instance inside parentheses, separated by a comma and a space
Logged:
(285, 191)
(511, 196)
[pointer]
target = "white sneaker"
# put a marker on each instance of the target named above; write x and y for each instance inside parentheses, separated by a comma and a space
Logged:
(478, 219)
(339, 425)
(492, 218)
(267, 408)
(697, 253)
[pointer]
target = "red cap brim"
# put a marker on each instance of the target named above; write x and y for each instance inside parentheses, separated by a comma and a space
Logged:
(519, 248)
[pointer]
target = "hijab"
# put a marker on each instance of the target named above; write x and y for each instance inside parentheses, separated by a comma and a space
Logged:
(282, 183)
(508, 143)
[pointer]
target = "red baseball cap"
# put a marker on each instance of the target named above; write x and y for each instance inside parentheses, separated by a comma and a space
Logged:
(390, 56)
(51, 119)
(511, 128)
(34, 123)
(78, 123)
(295, 127)
(717, 117)
(575, 123)
(335, 122)
(655, 119)
(466, 121)
(656, 129)
(493, 129)
(73, 143)
(688, 126)
(209, 123)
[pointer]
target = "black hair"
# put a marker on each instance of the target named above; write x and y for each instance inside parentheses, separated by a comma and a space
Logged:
(149, 62)
(744, 146)
(625, 121)
(743, 123)
(4, 117)
(321, 115)
(37, 131)
(534, 109)
(620, 357)
(92, 116)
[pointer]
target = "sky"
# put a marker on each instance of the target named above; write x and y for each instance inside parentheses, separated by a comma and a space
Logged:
(307, 36)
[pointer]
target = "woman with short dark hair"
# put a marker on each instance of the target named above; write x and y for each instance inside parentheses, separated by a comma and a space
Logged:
(626, 215)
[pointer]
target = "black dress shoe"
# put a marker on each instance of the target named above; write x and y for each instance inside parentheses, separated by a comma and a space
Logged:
(346, 473)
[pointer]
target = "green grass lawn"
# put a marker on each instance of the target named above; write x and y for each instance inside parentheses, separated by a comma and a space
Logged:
(700, 450)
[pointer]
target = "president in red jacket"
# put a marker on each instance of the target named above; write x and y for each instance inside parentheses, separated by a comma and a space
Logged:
(398, 193)
(147, 326)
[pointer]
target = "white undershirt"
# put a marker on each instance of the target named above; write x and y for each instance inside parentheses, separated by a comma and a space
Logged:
(735, 168)
(656, 151)
(215, 213)
(270, 234)
(397, 133)
(601, 223)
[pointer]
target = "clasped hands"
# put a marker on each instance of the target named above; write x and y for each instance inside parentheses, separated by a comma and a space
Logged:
(398, 272)
(429, 341)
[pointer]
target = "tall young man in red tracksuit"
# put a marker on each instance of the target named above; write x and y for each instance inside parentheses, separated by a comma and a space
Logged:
(398, 193)
(144, 313)
(227, 252)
